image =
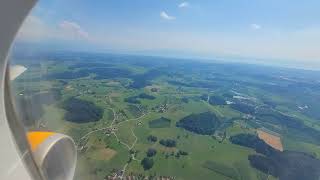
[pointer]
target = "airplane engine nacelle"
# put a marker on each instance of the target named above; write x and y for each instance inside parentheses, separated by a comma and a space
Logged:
(54, 153)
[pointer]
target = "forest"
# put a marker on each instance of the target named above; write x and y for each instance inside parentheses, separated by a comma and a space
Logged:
(81, 111)
(204, 123)
(287, 165)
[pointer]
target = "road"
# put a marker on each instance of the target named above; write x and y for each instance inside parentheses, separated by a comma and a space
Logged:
(113, 126)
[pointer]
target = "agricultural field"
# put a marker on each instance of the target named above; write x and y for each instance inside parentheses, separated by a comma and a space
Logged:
(135, 117)
(271, 139)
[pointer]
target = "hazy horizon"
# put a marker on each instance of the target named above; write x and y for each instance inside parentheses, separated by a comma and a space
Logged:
(285, 33)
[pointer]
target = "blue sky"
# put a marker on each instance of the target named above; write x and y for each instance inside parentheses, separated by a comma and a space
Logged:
(287, 31)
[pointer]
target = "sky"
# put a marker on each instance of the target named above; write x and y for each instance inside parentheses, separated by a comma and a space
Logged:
(268, 31)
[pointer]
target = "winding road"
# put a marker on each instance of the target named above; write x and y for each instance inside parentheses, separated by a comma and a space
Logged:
(113, 126)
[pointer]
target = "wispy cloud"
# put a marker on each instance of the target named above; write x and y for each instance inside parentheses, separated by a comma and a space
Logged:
(184, 5)
(73, 29)
(255, 26)
(35, 29)
(164, 15)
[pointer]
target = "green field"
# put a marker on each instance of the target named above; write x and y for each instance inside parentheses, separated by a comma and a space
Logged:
(160, 123)
(150, 101)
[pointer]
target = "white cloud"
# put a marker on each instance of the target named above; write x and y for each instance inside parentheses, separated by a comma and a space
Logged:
(164, 15)
(255, 26)
(35, 29)
(73, 29)
(184, 5)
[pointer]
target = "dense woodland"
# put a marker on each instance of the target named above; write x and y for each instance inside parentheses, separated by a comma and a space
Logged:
(217, 100)
(147, 163)
(242, 107)
(81, 111)
(204, 123)
(143, 80)
(135, 99)
(152, 138)
(100, 73)
(151, 152)
(168, 142)
(287, 165)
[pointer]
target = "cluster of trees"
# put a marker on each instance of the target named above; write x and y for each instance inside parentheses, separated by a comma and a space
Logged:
(67, 75)
(227, 95)
(244, 108)
(185, 99)
(101, 73)
(147, 163)
(143, 80)
(196, 84)
(204, 123)
(134, 99)
(183, 153)
(146, 96)
(81, 111)
(168, 142)
(151, 152)
(88, 65)
(217, 100)
(176, 154)
(152, 138)
(287, 165)
(254, 142)
(108, 73)
(204, 97)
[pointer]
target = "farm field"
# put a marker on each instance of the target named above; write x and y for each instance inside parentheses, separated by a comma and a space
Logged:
(273, 140)
(135, 117)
